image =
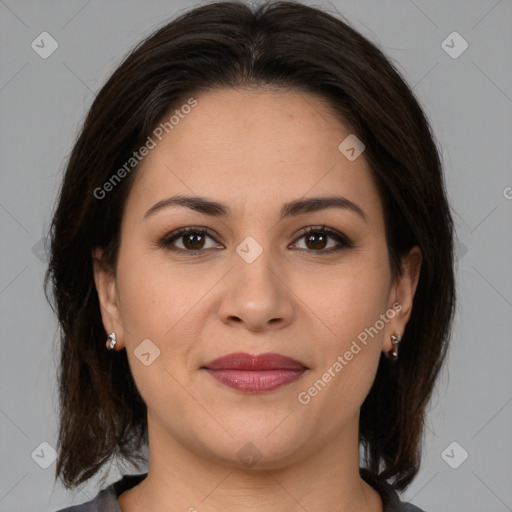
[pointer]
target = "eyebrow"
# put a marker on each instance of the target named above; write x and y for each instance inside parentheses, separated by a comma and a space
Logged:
(291, 209)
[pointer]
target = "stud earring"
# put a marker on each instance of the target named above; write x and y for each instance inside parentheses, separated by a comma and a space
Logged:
(111, 341)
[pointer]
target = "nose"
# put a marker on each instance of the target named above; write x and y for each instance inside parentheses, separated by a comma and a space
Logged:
(258, 295)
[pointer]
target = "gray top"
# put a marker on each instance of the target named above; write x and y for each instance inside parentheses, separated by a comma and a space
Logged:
(106, 499)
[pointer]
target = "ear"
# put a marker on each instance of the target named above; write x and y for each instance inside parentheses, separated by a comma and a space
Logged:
(402, 295)
(106, 286)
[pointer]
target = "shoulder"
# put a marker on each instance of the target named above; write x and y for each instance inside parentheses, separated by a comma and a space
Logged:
(390, 499)
(106, 499)
(409, 507)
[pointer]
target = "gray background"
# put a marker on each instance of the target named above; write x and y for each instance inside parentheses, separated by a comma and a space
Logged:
(469, 102)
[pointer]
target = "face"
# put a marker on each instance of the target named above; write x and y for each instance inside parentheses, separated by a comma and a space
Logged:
(311, 283)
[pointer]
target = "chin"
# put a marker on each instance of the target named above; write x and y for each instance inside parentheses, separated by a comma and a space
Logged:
(255, 449)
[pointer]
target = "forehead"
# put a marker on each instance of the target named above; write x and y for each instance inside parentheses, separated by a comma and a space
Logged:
(251, 148)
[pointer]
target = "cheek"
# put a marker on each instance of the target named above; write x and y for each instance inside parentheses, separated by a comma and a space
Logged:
(145, 301)
(351, 305)
(353, 298)
(162, 301)
(151, 293)
(155, 305)
(350, 356)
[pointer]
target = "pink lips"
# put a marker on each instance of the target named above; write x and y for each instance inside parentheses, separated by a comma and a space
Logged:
(255, 373)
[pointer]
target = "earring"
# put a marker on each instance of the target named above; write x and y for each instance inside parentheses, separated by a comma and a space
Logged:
(393, 354)
(111, 341)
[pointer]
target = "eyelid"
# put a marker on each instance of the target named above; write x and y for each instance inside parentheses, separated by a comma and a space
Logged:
(169, 238)
(343, 241)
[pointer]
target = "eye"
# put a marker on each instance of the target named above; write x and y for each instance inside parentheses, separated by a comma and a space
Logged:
(316, 239)
(192, 240)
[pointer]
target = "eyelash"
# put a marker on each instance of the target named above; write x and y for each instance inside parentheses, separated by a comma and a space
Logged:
(343, 241)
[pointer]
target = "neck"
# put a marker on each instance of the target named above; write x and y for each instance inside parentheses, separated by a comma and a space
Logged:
(181, 479)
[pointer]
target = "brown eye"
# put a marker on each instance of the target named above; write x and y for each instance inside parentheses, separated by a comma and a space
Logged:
(317, 239)
(192, 240)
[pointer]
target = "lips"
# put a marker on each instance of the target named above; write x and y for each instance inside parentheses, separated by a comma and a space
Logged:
(255, 373)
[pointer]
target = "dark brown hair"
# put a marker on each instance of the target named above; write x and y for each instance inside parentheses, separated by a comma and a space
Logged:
(231, 45)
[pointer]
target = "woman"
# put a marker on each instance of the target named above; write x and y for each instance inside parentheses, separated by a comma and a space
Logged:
(252, 267)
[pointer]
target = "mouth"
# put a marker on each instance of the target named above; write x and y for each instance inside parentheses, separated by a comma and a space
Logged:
(255, 373)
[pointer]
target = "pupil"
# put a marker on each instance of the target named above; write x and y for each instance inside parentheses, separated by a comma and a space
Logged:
(319, 235)
(194, 238)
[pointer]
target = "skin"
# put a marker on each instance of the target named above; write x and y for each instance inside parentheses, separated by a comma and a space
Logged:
(253, 150)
